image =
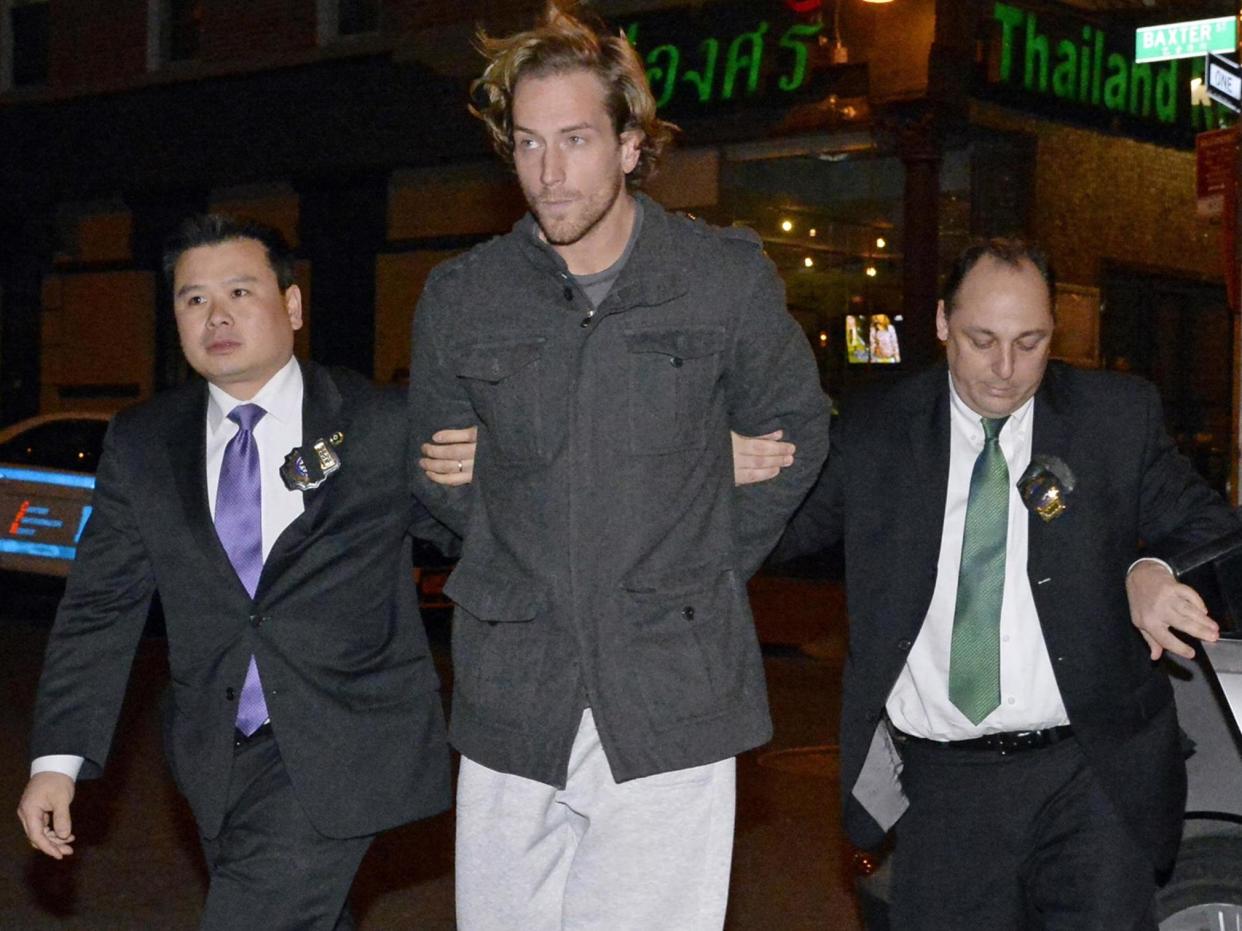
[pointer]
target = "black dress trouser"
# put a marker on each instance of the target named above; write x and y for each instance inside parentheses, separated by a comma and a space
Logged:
(269, 868)
(1025, 841)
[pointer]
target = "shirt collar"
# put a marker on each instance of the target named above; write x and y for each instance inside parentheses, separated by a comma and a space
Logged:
(281, 397)
(968, 421)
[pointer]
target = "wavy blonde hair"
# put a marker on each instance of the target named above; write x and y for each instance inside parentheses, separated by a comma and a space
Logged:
(567, 39)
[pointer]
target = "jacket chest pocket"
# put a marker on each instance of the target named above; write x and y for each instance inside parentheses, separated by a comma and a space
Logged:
(672, 374)
(503, 380)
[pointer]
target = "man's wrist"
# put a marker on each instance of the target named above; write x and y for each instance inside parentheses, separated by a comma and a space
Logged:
(64, 763)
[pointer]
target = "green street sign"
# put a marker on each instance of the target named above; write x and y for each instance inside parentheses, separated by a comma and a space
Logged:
(1186, 40)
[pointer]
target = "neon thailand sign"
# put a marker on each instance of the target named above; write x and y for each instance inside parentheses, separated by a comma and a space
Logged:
(1075, 63)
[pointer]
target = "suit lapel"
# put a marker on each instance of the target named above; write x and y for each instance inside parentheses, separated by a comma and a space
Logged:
(929, 436)
(322, 415)
(1051, 436)
(186, 440)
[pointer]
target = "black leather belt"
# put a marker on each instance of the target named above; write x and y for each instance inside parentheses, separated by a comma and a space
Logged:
(241, 740)
(1003, 742)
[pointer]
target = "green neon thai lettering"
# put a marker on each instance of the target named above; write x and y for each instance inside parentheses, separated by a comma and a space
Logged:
(795, 39)
(745, 53)
(1079, 67)
(729, 69)
(662, 62)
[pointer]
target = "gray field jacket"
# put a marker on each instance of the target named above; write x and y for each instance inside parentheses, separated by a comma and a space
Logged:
(606, 548)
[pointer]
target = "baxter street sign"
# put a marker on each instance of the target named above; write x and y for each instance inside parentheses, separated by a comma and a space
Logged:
(1186, 40)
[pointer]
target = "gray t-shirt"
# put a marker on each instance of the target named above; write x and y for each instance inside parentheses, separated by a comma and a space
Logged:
(597, 286)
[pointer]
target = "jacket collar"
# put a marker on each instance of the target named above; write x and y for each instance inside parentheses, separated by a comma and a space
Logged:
(929, 422)
(322, 415)
(648, 279)
(929, 434)
(186, 440)
(1051, 436)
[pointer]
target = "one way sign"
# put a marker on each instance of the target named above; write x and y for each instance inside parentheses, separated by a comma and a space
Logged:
(1224, 81)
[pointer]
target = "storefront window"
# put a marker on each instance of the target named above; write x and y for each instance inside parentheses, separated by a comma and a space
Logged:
(833, 224)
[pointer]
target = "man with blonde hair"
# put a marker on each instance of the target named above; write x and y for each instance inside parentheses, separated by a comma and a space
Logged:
(606, 666)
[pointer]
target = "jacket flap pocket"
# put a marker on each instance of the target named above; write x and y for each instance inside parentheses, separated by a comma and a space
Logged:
(682, 580)
(490, 596)
(680, 342)
(497, 361)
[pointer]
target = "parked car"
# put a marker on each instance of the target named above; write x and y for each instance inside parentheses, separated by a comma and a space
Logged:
(1205, 888)
(47, 477)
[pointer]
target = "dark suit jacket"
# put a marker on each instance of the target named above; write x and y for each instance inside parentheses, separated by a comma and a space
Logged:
(884, 488)
(334, 624)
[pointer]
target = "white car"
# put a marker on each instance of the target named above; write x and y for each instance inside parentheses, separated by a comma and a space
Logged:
(47, 478)
(1205, 890)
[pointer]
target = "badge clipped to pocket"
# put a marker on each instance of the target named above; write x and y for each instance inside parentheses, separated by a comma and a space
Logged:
(308, 467)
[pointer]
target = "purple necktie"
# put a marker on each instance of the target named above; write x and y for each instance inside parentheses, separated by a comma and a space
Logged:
(239, 524)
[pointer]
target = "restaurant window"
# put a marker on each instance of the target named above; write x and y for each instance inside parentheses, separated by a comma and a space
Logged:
(832, 222)
(27, 51)
(832, 226)
(339, 18)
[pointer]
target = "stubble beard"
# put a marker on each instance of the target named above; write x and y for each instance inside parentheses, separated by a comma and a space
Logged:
(581, 219)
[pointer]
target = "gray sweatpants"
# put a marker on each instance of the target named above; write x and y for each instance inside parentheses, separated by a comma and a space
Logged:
(651, 854)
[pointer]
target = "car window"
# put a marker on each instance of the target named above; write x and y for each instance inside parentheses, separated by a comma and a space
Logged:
(59, 444)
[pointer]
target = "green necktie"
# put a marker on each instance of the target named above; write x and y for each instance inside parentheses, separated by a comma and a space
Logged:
(974, 660)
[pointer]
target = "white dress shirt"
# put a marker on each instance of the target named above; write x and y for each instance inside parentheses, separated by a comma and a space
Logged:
(919, 702)
(279, 431)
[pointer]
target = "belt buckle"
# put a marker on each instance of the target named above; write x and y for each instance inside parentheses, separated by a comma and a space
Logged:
(1013, 741)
